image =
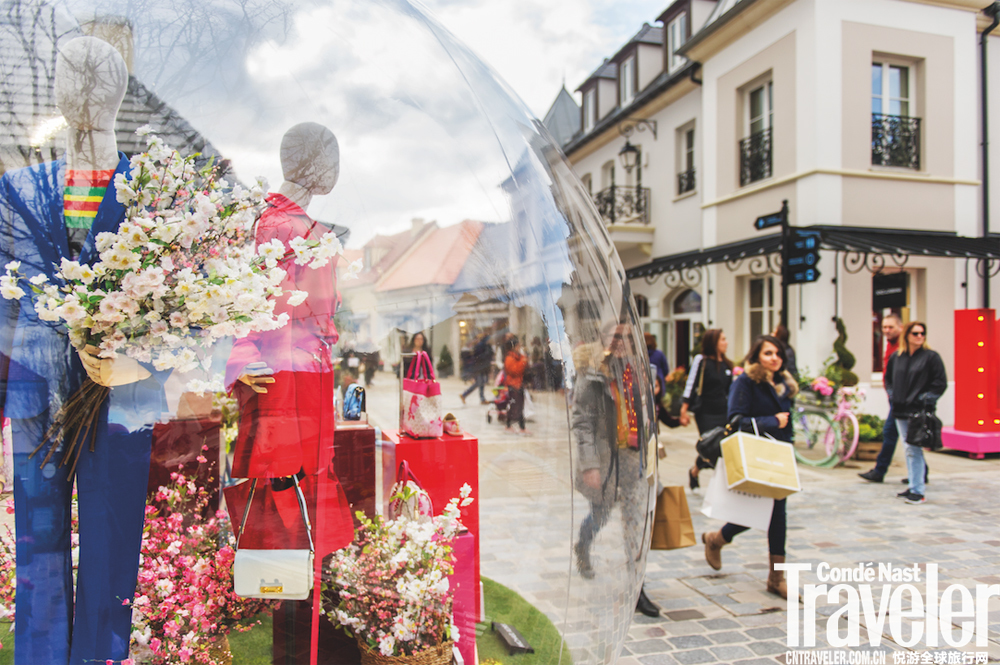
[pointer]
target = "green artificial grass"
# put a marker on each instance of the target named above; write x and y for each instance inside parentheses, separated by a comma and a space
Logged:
(506, 606)
(254, 646)
(7, 639)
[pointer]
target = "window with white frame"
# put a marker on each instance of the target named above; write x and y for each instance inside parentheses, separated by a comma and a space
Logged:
(891, 89)
(685, 159)
(608, 174)
(762, 307)
(626, 82)
(588, 183)
(676, 36)
(589, 109)
(755, 147)
(895, 125)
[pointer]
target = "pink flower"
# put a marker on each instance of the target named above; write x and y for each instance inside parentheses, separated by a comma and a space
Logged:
(737, 371)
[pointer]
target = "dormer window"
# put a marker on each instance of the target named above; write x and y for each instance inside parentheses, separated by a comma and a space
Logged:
(677, 34)
(589, 109)
(626, 82)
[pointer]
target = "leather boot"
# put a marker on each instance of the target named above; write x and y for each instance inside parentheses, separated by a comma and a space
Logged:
(776, 578)
(714, 542)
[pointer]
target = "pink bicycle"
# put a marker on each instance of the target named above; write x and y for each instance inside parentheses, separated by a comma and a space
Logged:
(838, 430)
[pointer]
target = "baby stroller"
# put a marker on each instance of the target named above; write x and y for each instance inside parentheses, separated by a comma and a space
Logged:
(501, 401)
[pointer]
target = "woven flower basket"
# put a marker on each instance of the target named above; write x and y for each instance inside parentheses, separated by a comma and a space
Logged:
(219, 652)
(439, 655)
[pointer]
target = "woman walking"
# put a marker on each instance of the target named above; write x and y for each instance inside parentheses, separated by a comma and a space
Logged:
(707, 391)
(514, 365)
(762, 396)
(914, 379)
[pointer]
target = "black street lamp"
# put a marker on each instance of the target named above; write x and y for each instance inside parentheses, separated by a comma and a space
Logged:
(631, 158)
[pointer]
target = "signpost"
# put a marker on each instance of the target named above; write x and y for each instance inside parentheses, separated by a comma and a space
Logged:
(799, 253)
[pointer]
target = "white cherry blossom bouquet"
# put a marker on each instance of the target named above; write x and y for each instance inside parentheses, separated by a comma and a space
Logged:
(392, 581)
(181, 272)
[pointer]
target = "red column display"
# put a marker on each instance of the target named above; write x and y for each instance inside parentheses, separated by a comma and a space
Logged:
(977, 384)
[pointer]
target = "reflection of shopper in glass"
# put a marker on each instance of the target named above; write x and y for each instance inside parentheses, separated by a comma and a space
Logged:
(417, 344)
(707, 391)
(609, 427)
(763, 396)
(514, 365)
(482, 357)
(914, 379)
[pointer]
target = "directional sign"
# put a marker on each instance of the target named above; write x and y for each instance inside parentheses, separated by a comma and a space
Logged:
(802, 256)
(767, 221)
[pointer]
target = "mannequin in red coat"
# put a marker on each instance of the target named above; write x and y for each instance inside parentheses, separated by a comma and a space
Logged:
(283, 379)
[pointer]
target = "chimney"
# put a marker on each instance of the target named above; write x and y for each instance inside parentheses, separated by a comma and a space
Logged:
(417, 225)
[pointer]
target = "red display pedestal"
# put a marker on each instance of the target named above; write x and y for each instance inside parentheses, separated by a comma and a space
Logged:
(443, 465)
(179, 443)
(977, 444)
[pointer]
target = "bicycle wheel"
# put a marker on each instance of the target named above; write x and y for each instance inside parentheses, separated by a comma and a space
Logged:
(810, 428)
(847, 436)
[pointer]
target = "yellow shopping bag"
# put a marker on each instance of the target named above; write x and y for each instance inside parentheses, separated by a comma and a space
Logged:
(760, 465)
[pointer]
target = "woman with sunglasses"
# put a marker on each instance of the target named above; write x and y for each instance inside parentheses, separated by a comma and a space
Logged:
(914, 379)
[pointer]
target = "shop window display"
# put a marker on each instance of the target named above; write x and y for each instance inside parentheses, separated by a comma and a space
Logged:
(412, 198)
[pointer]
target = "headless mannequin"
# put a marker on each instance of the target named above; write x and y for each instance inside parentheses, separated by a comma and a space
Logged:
(90, 84)
(74, 618)
(310, 164)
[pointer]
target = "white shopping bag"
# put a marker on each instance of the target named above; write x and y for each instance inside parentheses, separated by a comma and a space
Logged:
(722, 503)
(529, 406)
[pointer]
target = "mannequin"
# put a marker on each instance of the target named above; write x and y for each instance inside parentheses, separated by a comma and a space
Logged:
(283, 378)
(44, 217)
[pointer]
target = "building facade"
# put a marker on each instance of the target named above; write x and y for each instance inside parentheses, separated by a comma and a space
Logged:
(863, 115)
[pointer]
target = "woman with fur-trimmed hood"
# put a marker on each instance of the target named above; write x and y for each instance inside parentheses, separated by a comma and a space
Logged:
(763, 395)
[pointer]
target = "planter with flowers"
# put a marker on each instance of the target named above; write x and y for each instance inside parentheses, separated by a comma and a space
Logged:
(390, 587)
(184, 605)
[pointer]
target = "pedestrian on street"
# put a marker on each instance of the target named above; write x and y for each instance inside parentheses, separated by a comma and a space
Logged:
(763, 396)
(514, 365)
(482, 357)
(417, 343)
(656, 356)
(915, 379)
(706, 393)
(892, 326)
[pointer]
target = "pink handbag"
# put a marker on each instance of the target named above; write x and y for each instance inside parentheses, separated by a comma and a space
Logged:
(421, 400)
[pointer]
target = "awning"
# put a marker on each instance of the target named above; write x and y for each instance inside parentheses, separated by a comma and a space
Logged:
(855, 239)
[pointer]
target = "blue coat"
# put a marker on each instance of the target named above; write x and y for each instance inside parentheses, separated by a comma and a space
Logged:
(754, 398)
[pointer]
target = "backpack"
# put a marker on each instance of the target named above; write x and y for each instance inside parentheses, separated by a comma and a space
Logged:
(354, 402)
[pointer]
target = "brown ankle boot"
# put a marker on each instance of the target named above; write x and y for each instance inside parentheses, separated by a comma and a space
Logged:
(714, 542)
(776, 578)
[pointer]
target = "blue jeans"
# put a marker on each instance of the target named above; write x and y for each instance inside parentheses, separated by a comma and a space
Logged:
(889, 437)
(915, 465)
(479, 382)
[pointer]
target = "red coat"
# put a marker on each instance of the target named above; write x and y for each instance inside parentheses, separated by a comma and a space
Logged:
(514, 366)
(291, 427)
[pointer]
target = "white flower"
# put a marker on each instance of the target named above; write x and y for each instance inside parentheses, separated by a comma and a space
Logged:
(144, 130)
(11, 292)
(353, 269)
(39, 279)
(296, 298)
(386, 645)
(13, 266)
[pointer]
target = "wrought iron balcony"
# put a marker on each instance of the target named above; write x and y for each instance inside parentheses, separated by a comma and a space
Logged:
(755, 157)
(685, 182)
(623, 204)
(895, 141)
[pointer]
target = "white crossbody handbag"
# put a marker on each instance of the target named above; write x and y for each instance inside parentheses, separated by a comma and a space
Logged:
(274, 574)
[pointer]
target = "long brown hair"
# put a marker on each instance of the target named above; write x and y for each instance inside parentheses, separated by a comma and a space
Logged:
(710, 346)
(754, 356)
(904, 337)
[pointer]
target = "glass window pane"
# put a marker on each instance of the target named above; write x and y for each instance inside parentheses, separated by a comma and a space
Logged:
(688, 303)
(901, 82)
(756, 324)
(770, 292)
(895, 107)
(756, 104)
(877, 79)
(757, 293)
(681, 29)
(876, 104)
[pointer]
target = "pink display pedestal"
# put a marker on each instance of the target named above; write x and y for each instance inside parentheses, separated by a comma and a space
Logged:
(977, 444)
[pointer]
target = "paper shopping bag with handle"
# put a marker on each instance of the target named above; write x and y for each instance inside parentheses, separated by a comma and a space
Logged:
(672, 526)
(760, 465)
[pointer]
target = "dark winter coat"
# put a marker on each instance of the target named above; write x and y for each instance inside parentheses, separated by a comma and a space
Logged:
(913, 381)
(754, 398)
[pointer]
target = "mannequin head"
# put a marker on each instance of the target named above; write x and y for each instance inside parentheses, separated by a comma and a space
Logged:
(90, 82)
(310, 158)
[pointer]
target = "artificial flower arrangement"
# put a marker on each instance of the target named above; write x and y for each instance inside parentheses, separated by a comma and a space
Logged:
(392, 581)
(184, 602)
(181, 272)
